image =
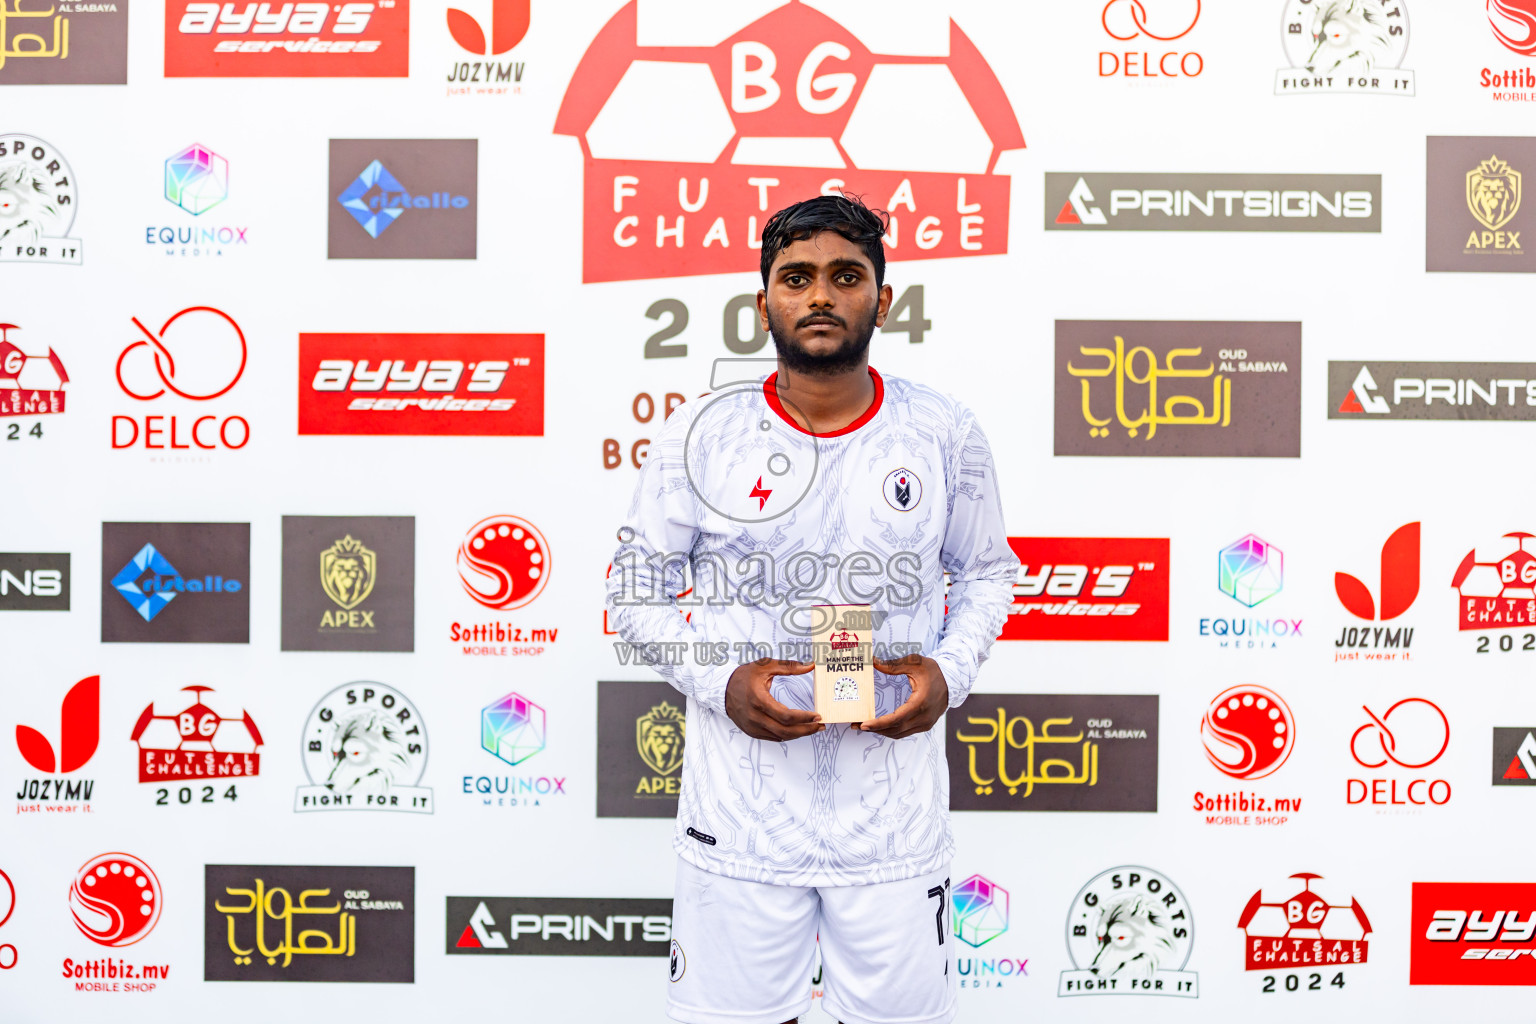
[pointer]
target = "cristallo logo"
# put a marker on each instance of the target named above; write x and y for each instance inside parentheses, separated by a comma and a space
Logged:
(689, 149)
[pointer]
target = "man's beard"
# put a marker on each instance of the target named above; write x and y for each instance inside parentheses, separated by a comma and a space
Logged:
(848, 356)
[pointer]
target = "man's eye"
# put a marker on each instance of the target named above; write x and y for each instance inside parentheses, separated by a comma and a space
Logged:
(848, 278)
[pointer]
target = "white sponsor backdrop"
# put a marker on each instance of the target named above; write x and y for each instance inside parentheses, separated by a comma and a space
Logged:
(1357, 296)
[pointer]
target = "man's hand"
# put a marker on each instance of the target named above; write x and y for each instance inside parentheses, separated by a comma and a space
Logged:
(929, 700)
(751, 706)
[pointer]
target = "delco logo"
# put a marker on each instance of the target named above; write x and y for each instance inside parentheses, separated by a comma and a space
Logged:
(414, 384)
(1473, 933)
(1076, 588)
(269, 40)
(689, 149)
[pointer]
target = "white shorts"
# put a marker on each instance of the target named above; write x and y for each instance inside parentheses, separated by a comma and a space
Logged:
(744, 952)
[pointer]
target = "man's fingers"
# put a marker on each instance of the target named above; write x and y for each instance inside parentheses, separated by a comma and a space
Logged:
(783, 714)
(895, 718)
(899, 667)
(780, 667)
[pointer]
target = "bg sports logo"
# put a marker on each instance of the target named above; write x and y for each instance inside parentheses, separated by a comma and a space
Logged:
(688, 148)
(1473, 933)
(1089, 588)
(305, 40)
(422, 384)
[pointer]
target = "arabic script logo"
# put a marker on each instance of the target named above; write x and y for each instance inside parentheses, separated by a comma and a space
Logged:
(659, 735)
(980, 908)
(1416, 739)
(509, 24)
(213, 354)
(1521, 13)
(197, 179)
(1399, 579)
(504, 562)
(1493, 193)
(1251, 570)
(1248, 732)
(116, 899)
(1121, 366)
(1134, 12)
(79, 731)
(347, 572)
(512, 728)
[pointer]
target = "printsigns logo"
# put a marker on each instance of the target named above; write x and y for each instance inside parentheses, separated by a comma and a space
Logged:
(1144, 201)
(1126, 21)
(303, 40)
(530, 926)
(1432, 391)
(1303, 931)
(422, 384)
(641, 729)
(1476, 218)
(1248, 732)
(428, 212)
(34, 582)
(150, 599)
(365, 748)
(1089, 588)
(504, 562)
(1053, 752)
(1472, 933)
(196, 743)
(1130, 932)
(38, 202)
(790, 105)
(270, 922)
(349, 583)
(66, 44)
(1180, 388)
(30, 385)
(1349, 46)
(116, 899)
(1514, 756)
(1498, 594)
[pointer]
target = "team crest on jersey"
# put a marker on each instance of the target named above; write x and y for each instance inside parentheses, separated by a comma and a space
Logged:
(677, 962)
(903, 490)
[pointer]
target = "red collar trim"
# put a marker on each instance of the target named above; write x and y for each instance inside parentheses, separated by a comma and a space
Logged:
(771, 396)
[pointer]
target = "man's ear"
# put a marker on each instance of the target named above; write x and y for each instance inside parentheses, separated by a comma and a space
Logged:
(881, 308)
(762, 309)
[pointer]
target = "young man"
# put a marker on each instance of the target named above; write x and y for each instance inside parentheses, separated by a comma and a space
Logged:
(825, 483)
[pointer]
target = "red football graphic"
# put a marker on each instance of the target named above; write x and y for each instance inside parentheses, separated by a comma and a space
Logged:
(504, 562)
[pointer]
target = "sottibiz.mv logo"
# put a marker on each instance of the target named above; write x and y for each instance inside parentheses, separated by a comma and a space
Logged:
(688, 148)
(1473, 933)
(1089, 588)
(422, 384)
(1399, 589)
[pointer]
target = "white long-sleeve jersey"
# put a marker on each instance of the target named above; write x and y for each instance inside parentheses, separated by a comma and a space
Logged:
(770, 520)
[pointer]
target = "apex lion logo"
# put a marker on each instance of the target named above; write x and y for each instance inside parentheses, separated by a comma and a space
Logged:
(659, 735)
(30, 208)
(1349, 36)
(1134, 939)
(347, 572)
(371, 755)
(1493, 193)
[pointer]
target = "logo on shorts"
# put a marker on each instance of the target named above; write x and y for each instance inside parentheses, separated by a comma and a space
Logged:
(903, 490)
(703, 837)
(677, 963)
(1130, 931)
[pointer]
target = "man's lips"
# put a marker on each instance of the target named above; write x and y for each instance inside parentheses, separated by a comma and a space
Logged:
(822, 322)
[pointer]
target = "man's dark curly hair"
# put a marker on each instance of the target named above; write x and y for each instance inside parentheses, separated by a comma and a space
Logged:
(843, 214)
